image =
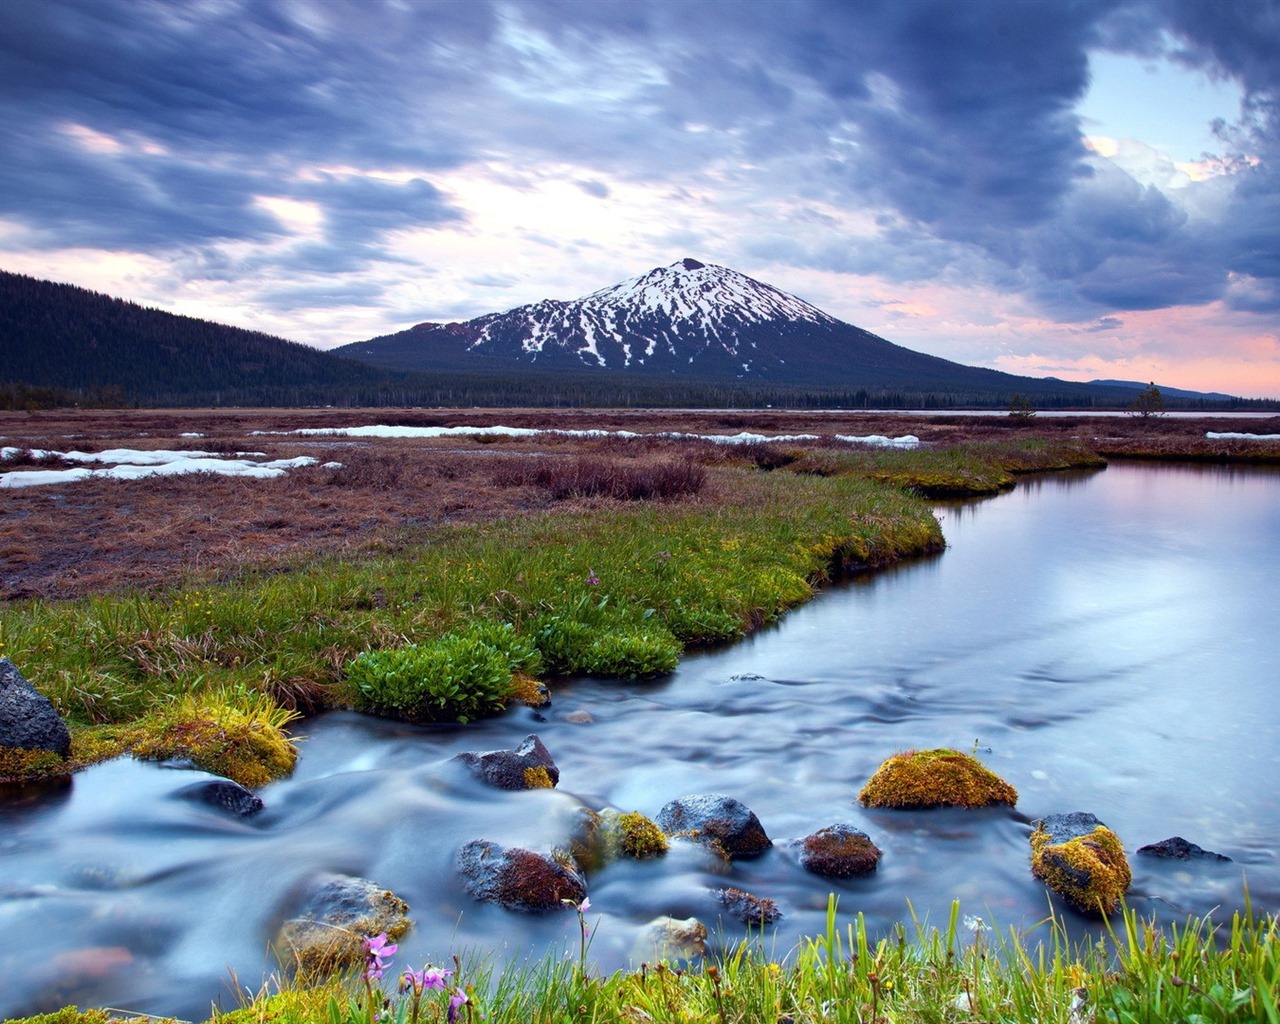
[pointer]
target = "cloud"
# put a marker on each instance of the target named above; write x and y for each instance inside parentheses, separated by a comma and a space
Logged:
(915, 142)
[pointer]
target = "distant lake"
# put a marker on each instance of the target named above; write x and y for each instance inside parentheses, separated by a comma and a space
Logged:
(1107, 641)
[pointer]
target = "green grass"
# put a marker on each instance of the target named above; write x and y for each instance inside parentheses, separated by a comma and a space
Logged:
(1199, 973)
(959, 471)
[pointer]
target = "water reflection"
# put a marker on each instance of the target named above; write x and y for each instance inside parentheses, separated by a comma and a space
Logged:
(1105, 640)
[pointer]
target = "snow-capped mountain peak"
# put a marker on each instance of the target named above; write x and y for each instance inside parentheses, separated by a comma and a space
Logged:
(677, 311)
(703, 293)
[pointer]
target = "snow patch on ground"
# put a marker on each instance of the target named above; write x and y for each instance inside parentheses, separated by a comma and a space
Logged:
(129, 464)
(878, 440)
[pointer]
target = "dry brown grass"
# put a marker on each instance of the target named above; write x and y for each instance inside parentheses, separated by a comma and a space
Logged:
(66, 541)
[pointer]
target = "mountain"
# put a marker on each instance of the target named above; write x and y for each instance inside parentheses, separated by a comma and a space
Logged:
(701, 321)
(687, 335)
(81, 345)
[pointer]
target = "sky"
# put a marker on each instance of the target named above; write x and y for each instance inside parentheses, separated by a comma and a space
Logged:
(1074, 188)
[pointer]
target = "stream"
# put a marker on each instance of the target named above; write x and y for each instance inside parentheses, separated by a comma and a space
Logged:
(1105, 641)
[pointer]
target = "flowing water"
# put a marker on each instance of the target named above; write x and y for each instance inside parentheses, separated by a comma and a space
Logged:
(1107, 641)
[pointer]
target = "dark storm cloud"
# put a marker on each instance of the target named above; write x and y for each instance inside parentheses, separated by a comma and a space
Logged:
(207, 107)
(154, 124)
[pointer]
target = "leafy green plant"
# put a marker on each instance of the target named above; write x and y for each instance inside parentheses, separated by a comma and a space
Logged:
(615, 649)
(456, 677)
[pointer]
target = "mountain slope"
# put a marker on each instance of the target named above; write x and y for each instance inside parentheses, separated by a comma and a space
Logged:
(85, 343)
(694, 320)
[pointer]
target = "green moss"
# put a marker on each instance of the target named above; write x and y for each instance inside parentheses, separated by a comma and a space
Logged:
(73, 1015)
(935, 778)
(246, 744)
(1091, 871)
(291, 1006)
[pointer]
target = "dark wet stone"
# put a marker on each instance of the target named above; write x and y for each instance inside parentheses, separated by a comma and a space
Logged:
(1177, 848)
(1062, 828)
(749, 909)
(839, 851)
(529, 766)
(224, 795)
(28, 720)
(518, 879)
(715, 820)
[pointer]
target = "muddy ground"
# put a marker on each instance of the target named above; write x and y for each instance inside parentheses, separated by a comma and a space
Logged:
(73, 539)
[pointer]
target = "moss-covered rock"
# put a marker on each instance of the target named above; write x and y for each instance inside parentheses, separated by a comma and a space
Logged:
(670, 938)
(635, 835)
(1082, 860)
(935, 778)
(839, 851)
(519, 879)
(603, 837)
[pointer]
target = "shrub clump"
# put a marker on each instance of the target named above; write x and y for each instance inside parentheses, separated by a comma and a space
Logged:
(598, 478)
(456, 677)
(935, 778)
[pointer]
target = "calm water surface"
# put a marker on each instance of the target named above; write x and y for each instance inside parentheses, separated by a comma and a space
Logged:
(1108, 641)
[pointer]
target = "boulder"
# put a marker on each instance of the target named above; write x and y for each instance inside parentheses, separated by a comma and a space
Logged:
(28, 721)
(1080, 859)
(669, 938)
(337, 912)
(935, 778)
(749, 909)
(839, 851)
(1177, 848)
(714, 819)
(529, 766)
(223, 795)
(519, 879)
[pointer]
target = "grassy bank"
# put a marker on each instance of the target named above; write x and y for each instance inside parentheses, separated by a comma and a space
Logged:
(620, 590)
(962, 973)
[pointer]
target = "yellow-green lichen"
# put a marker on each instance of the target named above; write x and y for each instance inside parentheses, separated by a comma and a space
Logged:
(1090, 871)
(537, 777)
(639, 837)
(18, 763)
(935, 778)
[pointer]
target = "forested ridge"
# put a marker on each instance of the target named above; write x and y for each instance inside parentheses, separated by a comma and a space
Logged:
(62, 338)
